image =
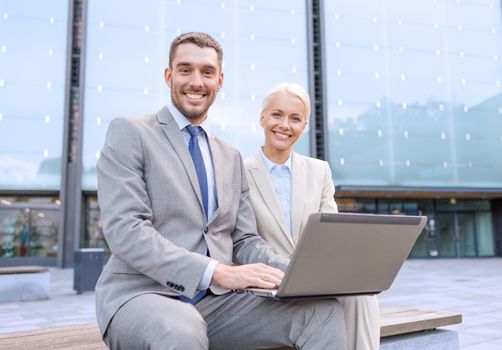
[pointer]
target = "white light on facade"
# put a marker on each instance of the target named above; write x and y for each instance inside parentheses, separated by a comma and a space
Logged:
(461, 54)
(101, 24)
(50, 52)
(222, 35)
(468, 137)
(436, 25)
(2, 83)
(251, 37)
(374, 20)
(340, 102)
(459, 28)
(100, 88)
(469, 165)
(443, 136)
(403, 77)
(252, 66)
(98, 121)
(222, 5)
(46, 153)
(407, 163)
(404, 105)
(293, 69)
(401, 49)
(500, 110)
(48, 85)
(445, 164)
(338, 73)
(145, 91)
(5, 16)
(1, 117)
(377, 75)
(100, 56)
(146, 59)
(376, 47)
(251, 8)
(378, 105)
(253, 97)
(51, 20)
(440, 80)
(441, 107)
(340, 132)
(178, 31)
(406, 134)
(497, 83)
(400, 22)
(293, 41)
(98, 154)
(292, 12)
(342, 161)
(438, 52)
(47, 119)
(223, 95)
(466, 109)
(496, 57)
(147, 29)
(463, 82)
(337, 16)
(338, 44)
(380, 162)
(379, 133)
(223, 126)
(4, 49)
(178, 2)
(253, 127)
(494, 31)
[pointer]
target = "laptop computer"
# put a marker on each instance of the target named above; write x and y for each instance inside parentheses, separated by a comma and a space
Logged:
(347, 254)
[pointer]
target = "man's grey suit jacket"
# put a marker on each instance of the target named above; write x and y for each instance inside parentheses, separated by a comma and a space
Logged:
(153, 219)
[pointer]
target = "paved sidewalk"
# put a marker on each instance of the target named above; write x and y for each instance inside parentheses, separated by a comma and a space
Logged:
(472, 287)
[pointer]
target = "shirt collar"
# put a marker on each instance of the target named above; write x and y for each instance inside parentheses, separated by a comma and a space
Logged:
(269, 164)
(182, 121)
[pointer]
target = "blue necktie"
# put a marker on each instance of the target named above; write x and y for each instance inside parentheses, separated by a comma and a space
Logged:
(198, 162)
(200, 169)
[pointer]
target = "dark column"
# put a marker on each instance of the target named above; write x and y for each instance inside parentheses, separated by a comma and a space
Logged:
(496, 205)
(70, 227)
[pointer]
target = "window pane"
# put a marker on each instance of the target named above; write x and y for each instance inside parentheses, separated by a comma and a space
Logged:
(33, 38)
(414, 92)
(264, 43)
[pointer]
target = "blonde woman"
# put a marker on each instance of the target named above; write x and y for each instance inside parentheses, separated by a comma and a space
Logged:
(285, 188)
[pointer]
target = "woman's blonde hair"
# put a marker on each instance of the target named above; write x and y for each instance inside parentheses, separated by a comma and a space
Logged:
(292, 89)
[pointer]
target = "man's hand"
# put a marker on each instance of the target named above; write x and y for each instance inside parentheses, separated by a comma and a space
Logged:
(244, 276)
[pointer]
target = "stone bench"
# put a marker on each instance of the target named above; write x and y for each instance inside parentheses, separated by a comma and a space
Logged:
(397, 327)
(22, 283)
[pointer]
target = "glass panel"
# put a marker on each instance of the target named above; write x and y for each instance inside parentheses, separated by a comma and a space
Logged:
(456, 205)
(93, 231)
(414, 93)
(484, 232)
(465, 232)
(445, 224)
(29, 226)
(264, 43)
(33, 54)
(356, 205)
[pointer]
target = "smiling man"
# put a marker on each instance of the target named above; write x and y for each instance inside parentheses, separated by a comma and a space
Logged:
(177, 218)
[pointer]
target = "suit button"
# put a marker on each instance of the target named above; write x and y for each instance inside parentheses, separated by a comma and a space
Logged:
(206, 230)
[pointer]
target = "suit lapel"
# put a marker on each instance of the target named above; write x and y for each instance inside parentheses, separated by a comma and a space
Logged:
(261, 177)
(298, 192)
(175, 138)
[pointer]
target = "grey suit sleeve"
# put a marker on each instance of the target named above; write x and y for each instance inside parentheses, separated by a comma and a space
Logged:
(126, 215)
(249, 247)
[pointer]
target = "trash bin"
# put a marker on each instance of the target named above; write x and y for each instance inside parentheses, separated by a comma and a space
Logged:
(87, 266)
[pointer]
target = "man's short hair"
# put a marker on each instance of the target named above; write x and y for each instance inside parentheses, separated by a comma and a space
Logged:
(202, 40)
(292, 89)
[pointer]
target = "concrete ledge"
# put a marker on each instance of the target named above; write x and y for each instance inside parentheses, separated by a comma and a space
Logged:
(24, 283)
(438, 339)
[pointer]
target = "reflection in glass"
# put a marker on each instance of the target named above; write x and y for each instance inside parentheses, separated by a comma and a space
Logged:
(414, 92)
(264, 43)
(28, 227)
(33, 38)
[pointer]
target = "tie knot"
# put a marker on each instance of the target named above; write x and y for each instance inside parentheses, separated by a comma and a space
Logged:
(193, 130)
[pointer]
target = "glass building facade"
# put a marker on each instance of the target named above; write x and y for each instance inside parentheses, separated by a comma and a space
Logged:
(411, 104)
